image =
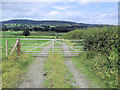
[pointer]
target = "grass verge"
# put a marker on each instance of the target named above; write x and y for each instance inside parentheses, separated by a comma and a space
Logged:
(58, 75)
(94, 66)
(13, 68)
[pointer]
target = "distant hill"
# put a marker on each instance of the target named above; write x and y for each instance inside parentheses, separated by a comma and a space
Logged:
(25, 21)
(45, 22)
(46, 25)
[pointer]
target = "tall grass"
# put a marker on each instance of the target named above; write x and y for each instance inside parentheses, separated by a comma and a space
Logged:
(13, 68)
(11, 42)
(95, 66)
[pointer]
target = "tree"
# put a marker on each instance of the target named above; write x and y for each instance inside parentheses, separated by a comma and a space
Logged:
(26, 32)
(16, 28)
(46, 29)
(35, 29)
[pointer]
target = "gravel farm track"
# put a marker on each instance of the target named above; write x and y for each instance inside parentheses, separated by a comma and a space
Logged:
(34, 78)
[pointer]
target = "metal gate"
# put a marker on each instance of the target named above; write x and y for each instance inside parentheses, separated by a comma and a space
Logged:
(44, 47)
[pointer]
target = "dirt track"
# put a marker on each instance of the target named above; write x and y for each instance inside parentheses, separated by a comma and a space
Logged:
(81, 80)
(34, 77)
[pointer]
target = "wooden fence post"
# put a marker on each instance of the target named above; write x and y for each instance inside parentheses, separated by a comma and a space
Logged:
(14, 46)
(6, 48)
(18, 47)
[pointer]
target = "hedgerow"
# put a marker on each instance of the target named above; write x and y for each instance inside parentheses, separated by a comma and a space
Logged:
(105, 41)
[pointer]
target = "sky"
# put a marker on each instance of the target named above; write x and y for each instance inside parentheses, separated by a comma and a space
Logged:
(80, 12)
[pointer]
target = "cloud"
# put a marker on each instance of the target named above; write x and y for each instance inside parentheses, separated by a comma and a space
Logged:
(60, 1)
(103, 15)
(24, 10)
(83, 17)
(90, 13)
(105, 18)
(52, 13)
(61, 7)
(85, 1)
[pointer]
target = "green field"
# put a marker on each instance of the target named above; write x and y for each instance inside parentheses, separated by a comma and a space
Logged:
(24, 45)
(11, 42)
(12, 35)
(33, 34)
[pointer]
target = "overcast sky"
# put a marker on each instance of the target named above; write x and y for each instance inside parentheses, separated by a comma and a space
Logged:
(93, 13)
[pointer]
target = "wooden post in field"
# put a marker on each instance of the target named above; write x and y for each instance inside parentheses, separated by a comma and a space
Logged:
(18, 46)
(6, 48)
(14, 46)
(53, 45)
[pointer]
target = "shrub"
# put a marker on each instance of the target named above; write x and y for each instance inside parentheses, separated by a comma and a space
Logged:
(104, 43)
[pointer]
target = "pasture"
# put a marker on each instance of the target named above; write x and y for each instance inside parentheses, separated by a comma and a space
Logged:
(33, 34)
(12, 35)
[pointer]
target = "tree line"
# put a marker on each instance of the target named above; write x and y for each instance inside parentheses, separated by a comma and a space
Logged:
(58, 28)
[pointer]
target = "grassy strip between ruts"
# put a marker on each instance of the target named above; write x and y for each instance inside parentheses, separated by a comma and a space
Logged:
(58, 75)
(13, 68)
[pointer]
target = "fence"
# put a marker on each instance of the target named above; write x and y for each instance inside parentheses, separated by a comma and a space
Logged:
(34, 50)
(71, 51)
(16, 45)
